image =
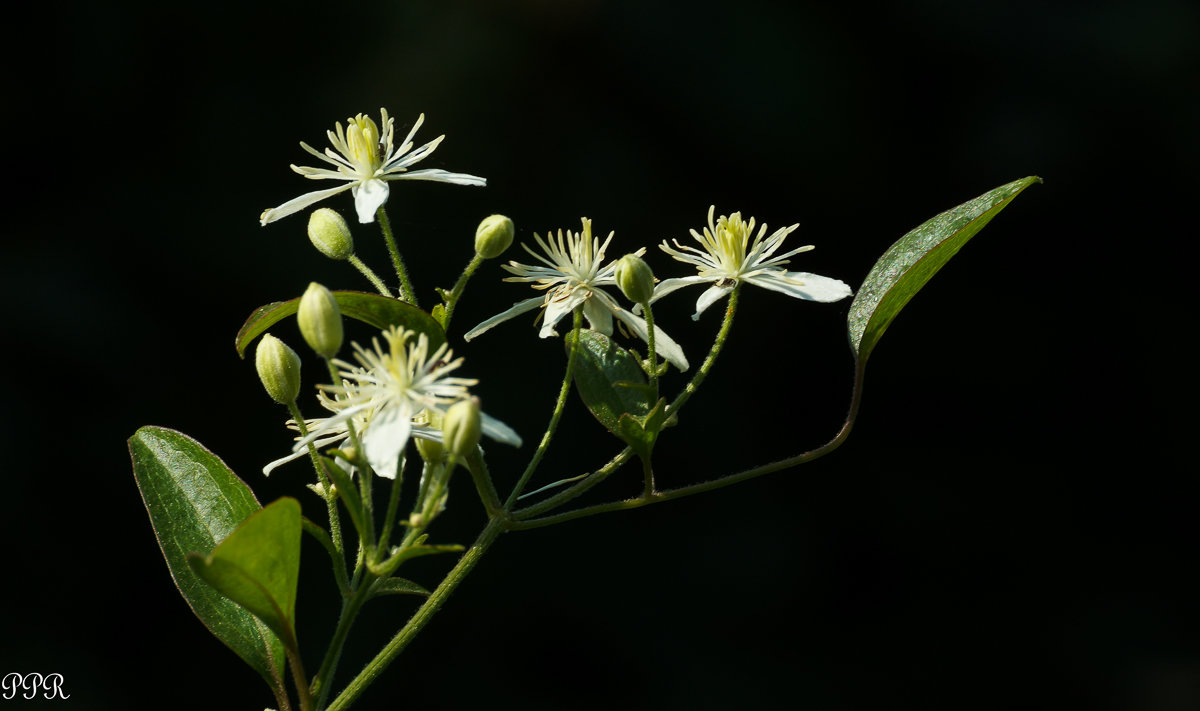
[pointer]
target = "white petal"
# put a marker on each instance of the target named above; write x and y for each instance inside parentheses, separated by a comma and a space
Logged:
(294, 455)
(599, 315)
(711, 296)
(663, 344)
(497, 430)
(439, 176)
(802, 285)
(669, 285)
(297, 204)
(385, 439)
(559, 307)
(426, 432)
(369, 196)
(517, 309)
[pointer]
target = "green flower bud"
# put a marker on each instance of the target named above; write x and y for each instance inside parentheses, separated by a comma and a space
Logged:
(320, 320)
(429, 450)
(461, 428)
(635, 279)
(330, 234)
(493, 236)
(278, 368)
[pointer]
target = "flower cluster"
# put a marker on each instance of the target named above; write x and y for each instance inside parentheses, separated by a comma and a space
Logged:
(390, 396)
(401, 389)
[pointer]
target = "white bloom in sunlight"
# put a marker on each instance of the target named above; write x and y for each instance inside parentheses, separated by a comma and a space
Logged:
(338, 433)
(729, 257)
(387, 396)
(366, 160)
(572, 277)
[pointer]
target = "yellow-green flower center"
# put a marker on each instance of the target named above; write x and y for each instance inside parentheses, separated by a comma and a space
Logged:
(362, 139)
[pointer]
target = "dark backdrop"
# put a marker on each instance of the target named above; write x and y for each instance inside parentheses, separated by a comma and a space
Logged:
(1007, 526)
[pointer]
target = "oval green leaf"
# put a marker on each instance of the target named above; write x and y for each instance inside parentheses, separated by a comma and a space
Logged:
(915, 258)
(373, 309)
(258, 566)
(609, 380)
(195, 502)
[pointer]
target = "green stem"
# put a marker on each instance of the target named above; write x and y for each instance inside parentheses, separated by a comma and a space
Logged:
(370, 275)
(336, 556)
(650, 347)
(718, 483)
(598, 476)
(483, 481)
(406, 287)
(459, 287)
(419, 619)
(718, 344)
(335, 523)
(554, 418)
(364, 470)
(393, 505)
(303, 696)
(648, 478)
(350, 607)
(576, 490)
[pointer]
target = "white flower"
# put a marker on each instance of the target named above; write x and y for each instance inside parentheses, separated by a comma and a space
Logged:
(388, 396)
(366, 160)
(729, 257)
(572, 277)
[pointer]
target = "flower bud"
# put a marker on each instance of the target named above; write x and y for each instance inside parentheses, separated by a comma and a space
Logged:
(493, 236)
(461, 427)
(320, 320)
(278, 368)
(429, 450)
(330, 234)
(635, 279)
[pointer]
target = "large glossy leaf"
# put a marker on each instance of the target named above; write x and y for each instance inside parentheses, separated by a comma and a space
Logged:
(195, 502)
(258, 566)
(374, 309)
(915, 258)
(610, 380)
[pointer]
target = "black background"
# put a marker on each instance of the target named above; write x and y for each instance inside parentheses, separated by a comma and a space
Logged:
(1007, 526)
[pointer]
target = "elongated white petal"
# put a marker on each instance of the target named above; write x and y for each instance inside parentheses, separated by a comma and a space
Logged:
(271, 467)
(802, 285)
(711, 295)
(297, 204)
(669, 285)
(369, 196)
(385, 438)
(663, 344)
(497, 430)
(560, 306)
(517, 309)
(330, 426)
(439, 176)
(399, 163)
